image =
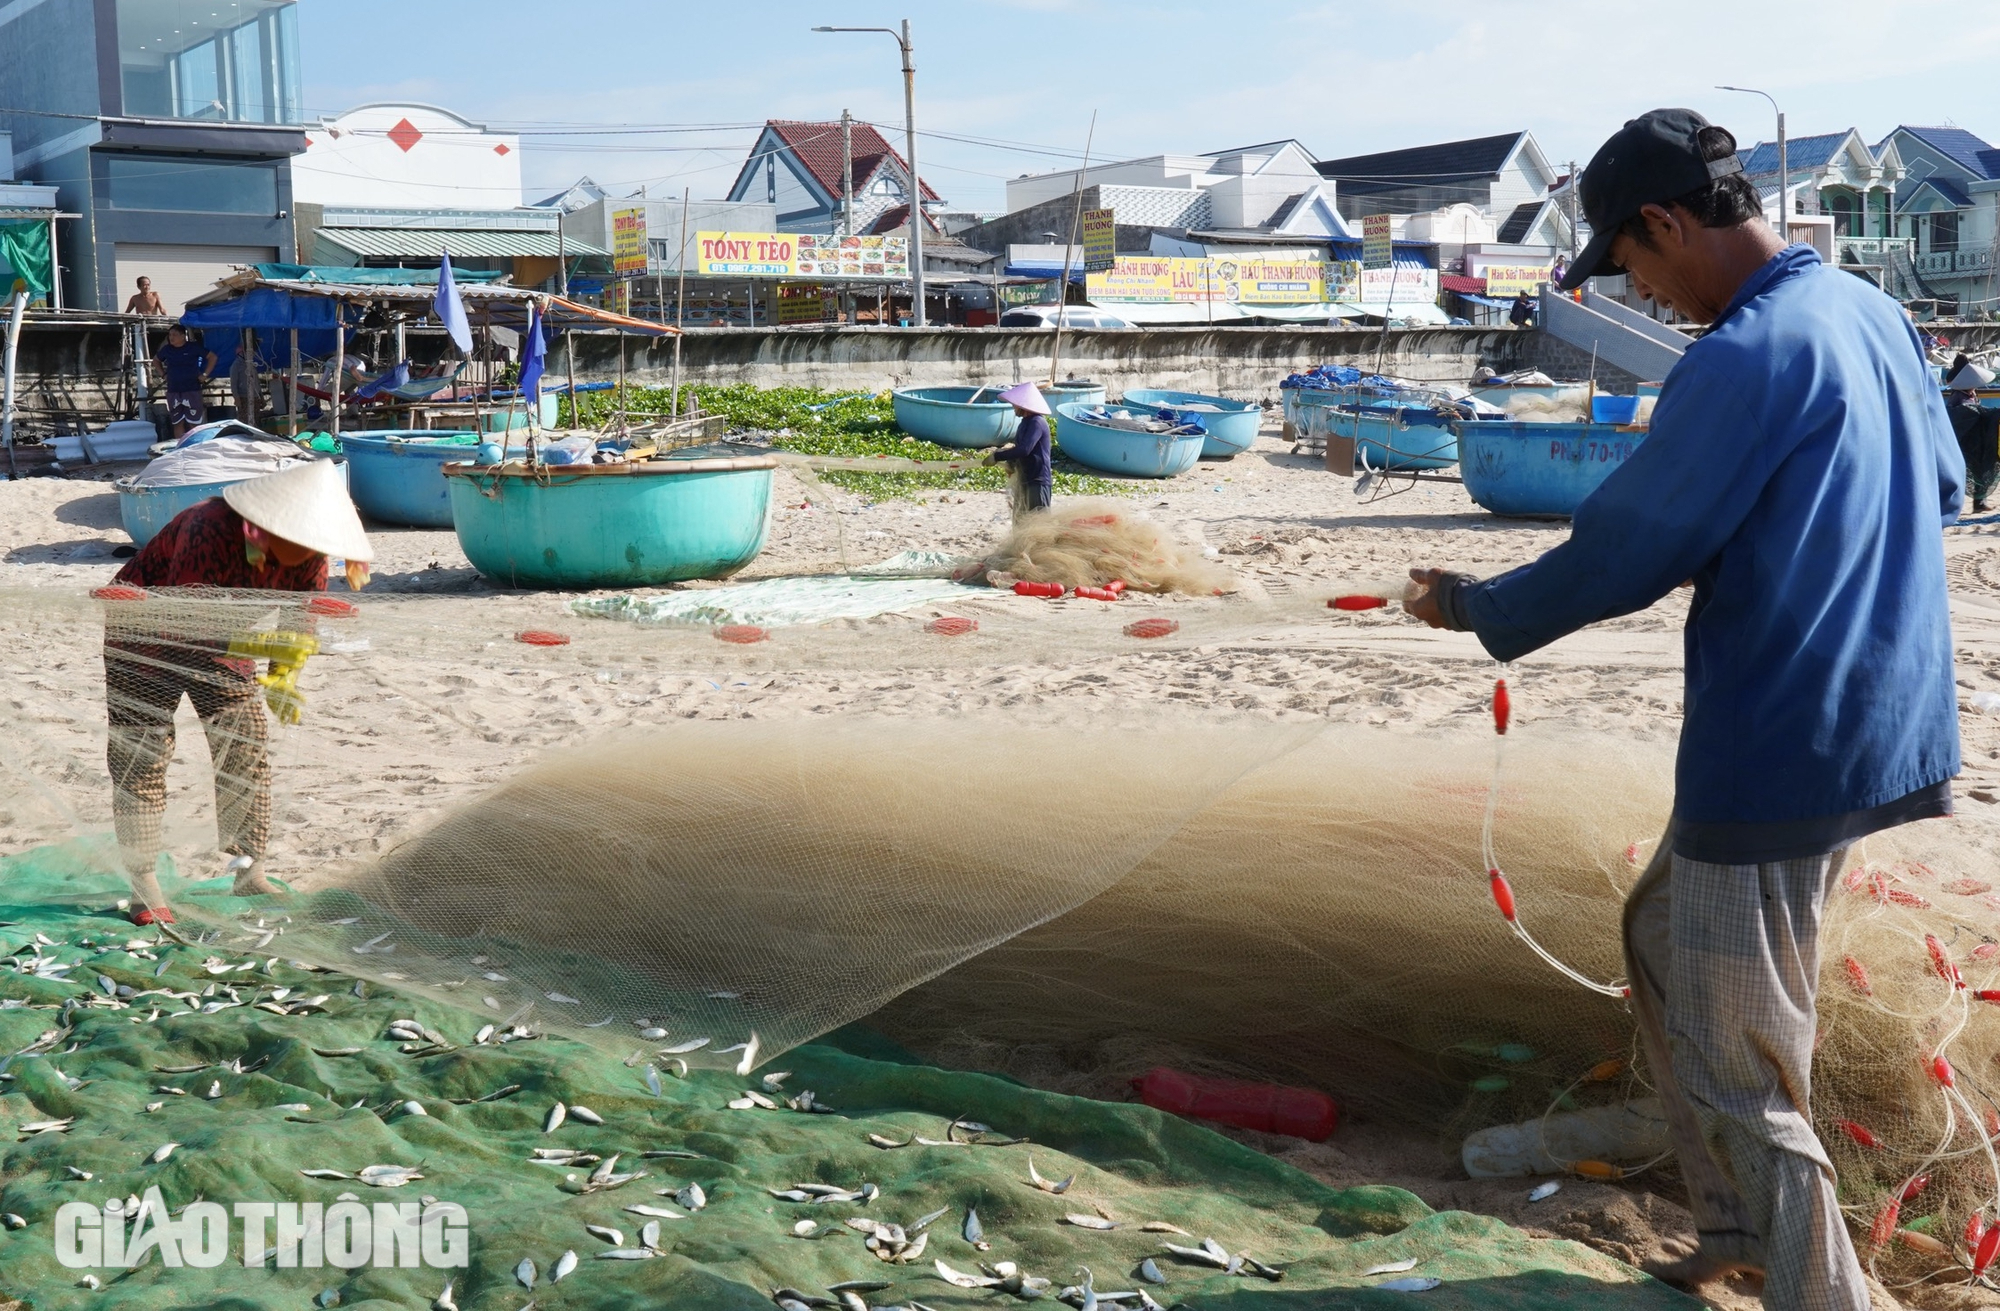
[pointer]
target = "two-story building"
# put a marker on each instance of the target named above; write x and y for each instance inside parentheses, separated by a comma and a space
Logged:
(167, 128)
(1948, 209)
(1838, 175)
(800, 171)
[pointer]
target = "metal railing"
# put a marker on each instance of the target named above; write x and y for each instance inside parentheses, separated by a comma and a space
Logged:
(1935, 261)
(1872, 250)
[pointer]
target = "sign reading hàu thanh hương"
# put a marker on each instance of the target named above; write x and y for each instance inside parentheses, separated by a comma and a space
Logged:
(1377, 249)
(1246, 280)
(628, 243)
(1100, 240)
(807, 255)
(1511, 279)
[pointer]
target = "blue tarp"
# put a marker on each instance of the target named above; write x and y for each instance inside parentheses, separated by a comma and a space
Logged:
(360, 277)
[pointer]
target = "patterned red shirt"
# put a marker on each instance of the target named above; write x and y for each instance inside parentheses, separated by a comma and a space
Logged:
(202, 547)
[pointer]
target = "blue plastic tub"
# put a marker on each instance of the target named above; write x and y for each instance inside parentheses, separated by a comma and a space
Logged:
(1114, 450)
(397, 475)
(145, 510)
(1229, 432)
(1541, 469)
(948, 416)
(1614, 409)
(612, 525)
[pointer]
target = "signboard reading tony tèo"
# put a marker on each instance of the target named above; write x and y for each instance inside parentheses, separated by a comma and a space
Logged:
(806, 255)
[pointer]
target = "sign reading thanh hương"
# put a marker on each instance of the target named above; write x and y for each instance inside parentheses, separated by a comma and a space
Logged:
(1377, 249)
(1246, 280)
(805, 255)
(1100, 240)
(628, 243)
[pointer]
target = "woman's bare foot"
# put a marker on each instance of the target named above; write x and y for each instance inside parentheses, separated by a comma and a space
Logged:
(250, 880)
(146, 890)
(1686, 1265)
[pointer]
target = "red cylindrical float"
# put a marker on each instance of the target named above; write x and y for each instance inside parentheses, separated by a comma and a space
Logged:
(1025, 588)
(1265, 1107)
(1097, 594)
(1356, 603)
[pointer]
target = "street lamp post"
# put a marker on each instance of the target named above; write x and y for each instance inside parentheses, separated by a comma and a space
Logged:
(1784, 172)
(910, 154)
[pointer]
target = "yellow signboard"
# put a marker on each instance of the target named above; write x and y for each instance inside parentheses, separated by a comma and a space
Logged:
(1509, 279)
(628, 243)
(1100, 240)
(1250, 280)
(806, 303)
(1377, 249)
(801, 255)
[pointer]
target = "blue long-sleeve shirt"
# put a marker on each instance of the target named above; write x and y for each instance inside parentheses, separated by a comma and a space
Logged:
(1031, 453)
(1799, 467)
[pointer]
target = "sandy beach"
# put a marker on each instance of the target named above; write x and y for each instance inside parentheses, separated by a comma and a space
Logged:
(443, 703)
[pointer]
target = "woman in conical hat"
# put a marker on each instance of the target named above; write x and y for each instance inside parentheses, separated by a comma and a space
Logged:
(1977, 430)
(271, 534)
(1030, 466)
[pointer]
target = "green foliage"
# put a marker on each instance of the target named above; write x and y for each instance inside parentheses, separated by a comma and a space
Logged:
(812, 421)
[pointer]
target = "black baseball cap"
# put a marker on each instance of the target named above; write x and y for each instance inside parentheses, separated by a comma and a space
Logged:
(1652, 159)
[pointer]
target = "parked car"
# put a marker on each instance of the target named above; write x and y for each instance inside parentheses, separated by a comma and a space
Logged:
(1073, 316)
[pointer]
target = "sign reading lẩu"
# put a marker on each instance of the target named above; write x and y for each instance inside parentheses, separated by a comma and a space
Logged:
(1245, 280)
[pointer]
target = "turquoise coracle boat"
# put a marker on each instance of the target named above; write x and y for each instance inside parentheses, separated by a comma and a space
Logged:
(1097, 445)
(1232, 425)
(1400, 439)
(144, 509)
(1544, 469)
(968, 418)
(612, 525)
(397, 475)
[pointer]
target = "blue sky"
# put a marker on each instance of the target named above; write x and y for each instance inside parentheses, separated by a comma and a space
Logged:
(1342, 78)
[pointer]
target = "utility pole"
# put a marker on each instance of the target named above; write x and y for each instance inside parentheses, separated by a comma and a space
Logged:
(1784, 166)
(846, 202)
(916, 186)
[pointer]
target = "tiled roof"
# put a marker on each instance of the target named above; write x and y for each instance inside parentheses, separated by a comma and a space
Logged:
(1956, 144)
(1460, 283)
(897, 216)
(1421, 166)
(1944, 186)
(1515, 230)
(817, 146)
(1800, 152)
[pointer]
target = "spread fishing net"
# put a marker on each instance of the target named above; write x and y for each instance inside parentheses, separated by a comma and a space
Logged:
(598, 834)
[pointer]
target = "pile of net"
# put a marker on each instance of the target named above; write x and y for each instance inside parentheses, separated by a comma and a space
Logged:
(1285, 899)
(1089, 543)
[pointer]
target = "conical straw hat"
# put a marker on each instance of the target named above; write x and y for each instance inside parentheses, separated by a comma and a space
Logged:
(1969, 378)
(308, 505)
(1027, 396)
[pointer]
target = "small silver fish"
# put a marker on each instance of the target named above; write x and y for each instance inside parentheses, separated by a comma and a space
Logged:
(806, 1229)
(326, 1174)
(585, 1114)
(612, 1236)
(564, 1000)
(485, 1032)
(13, 1221)
(692, 1197)
(887, 1144)
(1149, 1271)
(75, 1173)
(1199, 1255)
(525, 1272)
(413, 1108)
(1089, 1221)
(336, 1051)
(163, 1151)
(659, 1211)
(974, 1232)
(565, 1264)
(444, 1302)
(557, 1114)
(628, 1254)
(653, 1080)
(649, 1234)
(1390, 1268)
(924, 1222)
(1541, 1192)
(1035, 1178)
(682, 1049)
(749, 1061)
(93, 1284)
(387, 1176)
(1414, 1284)
(960, 1279)
(1162, 1227)
(653, 1034)
(214, 1093)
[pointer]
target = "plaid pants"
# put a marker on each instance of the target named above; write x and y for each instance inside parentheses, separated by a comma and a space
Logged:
(140, 700)
(1724, 963)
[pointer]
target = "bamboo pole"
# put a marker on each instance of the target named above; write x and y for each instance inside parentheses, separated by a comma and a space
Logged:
(339, 359)
(1075, 220)
(293, 389)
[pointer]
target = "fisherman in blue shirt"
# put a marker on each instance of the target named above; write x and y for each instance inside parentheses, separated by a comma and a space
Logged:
(1798, 470)
(1030, 466)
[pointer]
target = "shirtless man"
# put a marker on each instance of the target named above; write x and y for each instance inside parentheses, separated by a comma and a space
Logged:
(146, 301)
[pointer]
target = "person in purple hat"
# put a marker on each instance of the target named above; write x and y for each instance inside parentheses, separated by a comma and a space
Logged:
(1797, 474)
(1029, 461)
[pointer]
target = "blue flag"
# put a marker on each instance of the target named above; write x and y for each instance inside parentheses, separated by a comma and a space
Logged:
(450, 309)
(534, 354)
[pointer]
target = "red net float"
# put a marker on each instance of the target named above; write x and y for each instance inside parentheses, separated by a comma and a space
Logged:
(1605, 1071)
(1503, 894)
(1910, 899)
(1152, 627)
(951, 625)
(1597, 1170)
(1916, 1185)
(1097, 594)
(1989, 1247)
(1264, 1107)
(333, 607)
(1987, 994)
(1095, 521)
(1967, 887)
(1941, 1071)
(1859, 1133)
(741, 634)
(1986, 951)
(1116, 585)
(1975, 1229)
(1025, 588)
(1924, 1243)
(1885, 1223)
(119, 592)
(1356, 603)
(1858, 976)
(541, 637)
(1503, 707)
(1941, 963)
